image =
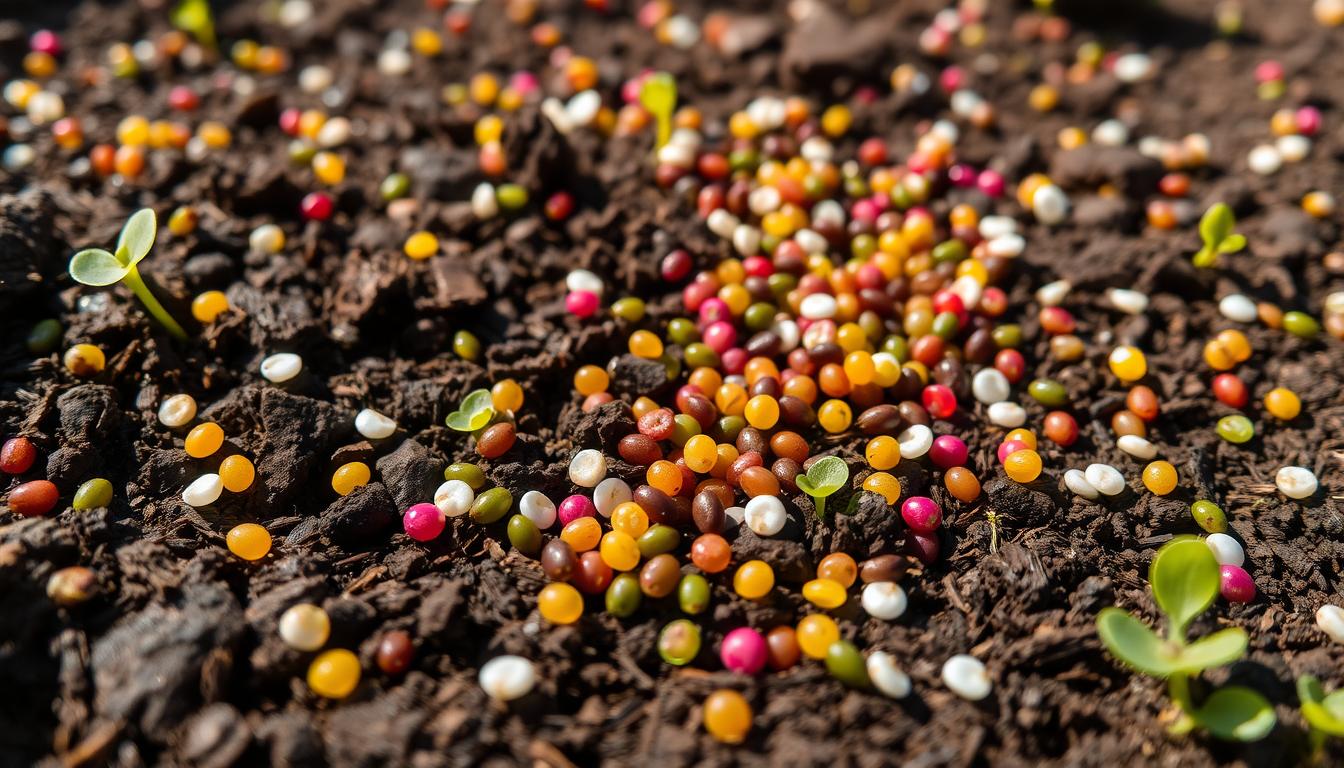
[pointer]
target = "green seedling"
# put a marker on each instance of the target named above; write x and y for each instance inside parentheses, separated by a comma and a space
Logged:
(97, 267)
(659, 96)
(1323, 712)
(1215, 229)
(1185, 580)
(823, 478)
(194, 18)
(475, 413)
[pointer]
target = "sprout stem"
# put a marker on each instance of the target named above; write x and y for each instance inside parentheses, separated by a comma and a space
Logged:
(138, 287)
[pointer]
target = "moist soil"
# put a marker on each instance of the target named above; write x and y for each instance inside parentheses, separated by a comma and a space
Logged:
(176, 660)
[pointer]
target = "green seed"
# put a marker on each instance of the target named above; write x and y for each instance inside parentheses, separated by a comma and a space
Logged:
(682, 331)
(897, 346)
(781, 283)
(863, 246)
(396, 185)
(466, 345)
(769, 242)
(301, 152)
(949, 251)
(1209, 516)
(729, 427)
(1235, 428)
(524, 535)
(700, 355)
(629, 309)
(693, 594)
(491, 506)
(624, 595)
(1048, 392)
(846, 664)
(468, 473)
(1007, 336)
(1301, 324)
(946, 325)
(671, 364)
(511, 197)
(684, 428)
(743, 159)
(901, 197)
(759, 316)
(93, 494)
(45, 336)
(679, 642)
(657, 540)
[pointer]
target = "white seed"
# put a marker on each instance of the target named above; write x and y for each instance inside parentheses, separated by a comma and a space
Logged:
(747, 240)
(810, 241)
(508, 677)
(997, 226)
(765, 515)
(587, 468)
(1334, 303)
(45, 107)
(609, 494)
(1132, 67)
(1296, 482)
(374, 425)
(1127, 301)
(790, 335)
(394, 62)
(1077, 482)
(334, 132)
(293, 13)
(915, 441)
(1330, 618)
(886, 676)
(1138, 447)
(484, 204)
(204, 490)
(305, 627)
(1050, 205)
(1006, 246)
(537, 507)
(1110, 133)
(1226, 550)
(968, 289)
(816, 149)
(722, 223)
(818, 306)
(1293, 148)
(1105, 478)
(177, 411)
(884, 600)
(584, 280)
(315, 78)
(1007, 414)
(990, 386)
(678, 155)
(1238, 307)
(967, 677)
(282, 367)
(733, 517)
(680, 31)
(268, 238)
(763, 200)
(454, 499)
(16, 157)
(1264, 160)
(583, 107)
(767, 111)
(1052, 294)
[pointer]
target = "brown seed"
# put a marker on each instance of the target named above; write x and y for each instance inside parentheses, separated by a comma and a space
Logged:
(914, 413)
(659, 576)
(741, 464)
(558, 560)
(750, 439)
(795, 412)
(789, 445)
(786, 472)
(883, 568)
(880, 420)
(1127, 422)
(656, 504)
(707, 512)
(71, 586)
(639, 450)
(496, 440)
(396, 651)
(719, 488)
(758, 481)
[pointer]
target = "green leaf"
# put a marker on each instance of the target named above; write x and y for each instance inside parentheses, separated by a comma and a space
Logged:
(477, 401)
(1216, 224)
(659, 96)
(194, 16)
(459, 421)
(1213, 650)
(1236, 713)
(1206, 258)
(94, 266)
(1322, 712)
(137, 237)
(828, 475)
(1309, 689)
(475, 412)
(805, 485)
(1131, 641)
(1232, 244)
(1185, 581)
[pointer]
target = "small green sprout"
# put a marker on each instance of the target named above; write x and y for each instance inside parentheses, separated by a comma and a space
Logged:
(823, 478)
(1185, 580)
(194, 18)
(659, 96)
(475, 412)
(1215, 229)
(97, 267)
(1323, 712)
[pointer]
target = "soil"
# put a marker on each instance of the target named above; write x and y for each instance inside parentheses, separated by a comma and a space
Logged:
(177, 659)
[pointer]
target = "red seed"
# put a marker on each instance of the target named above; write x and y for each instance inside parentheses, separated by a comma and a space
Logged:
(1230, 390)
(657, 424)
(395, 652)
(17, 456)
(34, 499)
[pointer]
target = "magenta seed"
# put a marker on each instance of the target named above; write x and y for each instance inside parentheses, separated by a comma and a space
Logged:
(574, 507)
(1237, 585)
(921, 514)
(744, 651)
(423, 522)
(948, 451)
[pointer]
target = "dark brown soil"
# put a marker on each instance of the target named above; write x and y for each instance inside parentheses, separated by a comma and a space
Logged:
(177, 660)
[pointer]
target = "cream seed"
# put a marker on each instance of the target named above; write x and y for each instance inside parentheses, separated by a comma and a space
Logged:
(1052, 294)
(537, 507)
(884, 600)
(1264, 160)
(268, 238)
(990, 386)
(967, 677)
(1050, 205)
(1296, 482)
(1077, 483)
(177, 411)
(506, 678)
(374, 425)
(282, 367)
(1105, 478)
(454, 498)
(1138, 447)
(204, 490)
(1293, 148)
(886, 676)
(610, 494)
(1127, 301)
(1226, 550)
(1007, 415)
(765, 515)
(587, 468)
(1238, 307)
(915, 441)
(305, 627)
(584, 280)
(1330, 620)
(484, 203)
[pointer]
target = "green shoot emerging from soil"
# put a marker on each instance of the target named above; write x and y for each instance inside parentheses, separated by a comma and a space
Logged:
(659, 96)
(97, 267)
(1185, 580)
(823, 478)
(1323, 712)
(1215, 229)
(194, 18)
(475, 412)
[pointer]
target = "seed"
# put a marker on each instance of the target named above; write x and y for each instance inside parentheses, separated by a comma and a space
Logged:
(1007, 415)
(816, 633)
(744, 651)
(44, 337)
(990, 386)
(1236, 584)
(838, 567)
(305, 627)
(1235, 428)
(1128, 364)
(249, 541)
(1048, 392)
(534, 505)
(1296, 482)
(1105, 478)
(350, 476)
(374, 425)
(679, 642)
(454, 498)
(610, 494)
(883, 568)
(1024, 465)
(710, 553)
(1237, 307)
(754, 579)
(237, 473)
(967, 677)
(1209, 516)
(93, 494)
(496, 440)
(1225, 549)
(588, 468)
(491, 506)
(657, 540)
(1138, 447)
(915, 441)
(281, 367)
(1160, 477)
(886, 676)
(623, 595)
(203, 491)
(203, 440)
(1283, 403)
(847, 665)
(505, 678)
(884, 600)
(707, 511)
(619, 550)
(1330, 620)
(177, 410)
(524, 535)
(766, 515)
(825, 593)
(1077, 483)
(727, 716)
(1301, 324)
(693, 594)
(334, 674)
(84, 360)
(395, 652)
(71, 586)
(660, 576)
(17, 456)
(559, 603)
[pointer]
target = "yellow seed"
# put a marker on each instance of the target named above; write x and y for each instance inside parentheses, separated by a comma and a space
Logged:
(421, 245)
(208, 306)
(237, 473)
(334, 674)
(249, 541)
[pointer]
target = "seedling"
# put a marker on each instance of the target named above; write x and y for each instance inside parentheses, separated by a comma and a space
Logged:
(97, 267)
(1323, 712)
(659, 96)
(475, 412)
(992, 517)
(194, 18)
(1185, 580)
(823, 478)
(1215, 229)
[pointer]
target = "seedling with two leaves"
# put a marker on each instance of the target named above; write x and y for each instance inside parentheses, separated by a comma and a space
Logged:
(475, 412)
(97, 267)
(1185, 579)
(1215, 229)
(1324, 712)
(826, 476)
(658, 95)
